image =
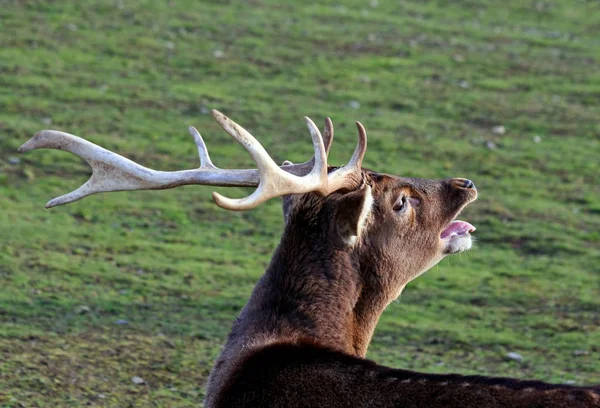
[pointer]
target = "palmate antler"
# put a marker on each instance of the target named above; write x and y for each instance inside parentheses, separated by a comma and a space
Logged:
(113, 172)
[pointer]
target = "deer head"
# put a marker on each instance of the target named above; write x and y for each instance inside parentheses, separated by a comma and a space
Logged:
(375, 239)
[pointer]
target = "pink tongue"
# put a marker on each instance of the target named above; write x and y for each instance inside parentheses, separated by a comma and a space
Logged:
(457, 228)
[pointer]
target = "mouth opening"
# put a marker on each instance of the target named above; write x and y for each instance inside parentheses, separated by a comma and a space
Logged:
(457, 228)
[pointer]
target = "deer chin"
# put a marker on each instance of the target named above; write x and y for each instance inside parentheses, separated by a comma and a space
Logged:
(456, 237)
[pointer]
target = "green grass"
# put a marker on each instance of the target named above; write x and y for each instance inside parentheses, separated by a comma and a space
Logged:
(429, 79)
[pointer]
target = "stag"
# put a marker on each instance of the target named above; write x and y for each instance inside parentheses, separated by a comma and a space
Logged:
(353, 239)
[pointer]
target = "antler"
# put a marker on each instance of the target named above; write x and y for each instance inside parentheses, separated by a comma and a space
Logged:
(113, 172)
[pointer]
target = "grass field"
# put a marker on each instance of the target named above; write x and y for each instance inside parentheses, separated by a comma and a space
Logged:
(146, 284)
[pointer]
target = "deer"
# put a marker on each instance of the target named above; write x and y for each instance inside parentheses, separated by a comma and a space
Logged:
(353, 239)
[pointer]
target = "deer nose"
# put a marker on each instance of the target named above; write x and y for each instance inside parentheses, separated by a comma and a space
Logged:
(463, 183)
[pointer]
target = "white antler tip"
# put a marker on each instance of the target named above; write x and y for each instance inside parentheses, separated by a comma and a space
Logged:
(309, 121)
(218, 115)
(52, 203)
(224, 202)
(23, 148)
(30, 144)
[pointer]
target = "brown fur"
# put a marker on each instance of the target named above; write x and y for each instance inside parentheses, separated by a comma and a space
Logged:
(301, 339)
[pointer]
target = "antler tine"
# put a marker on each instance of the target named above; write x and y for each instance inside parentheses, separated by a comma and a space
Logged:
(350, 175)
(328, 134)
(300, 169)
(205, 161)
(274, 181)
(361, 147)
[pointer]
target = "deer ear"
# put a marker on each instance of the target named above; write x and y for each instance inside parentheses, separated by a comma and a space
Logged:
(353, 212)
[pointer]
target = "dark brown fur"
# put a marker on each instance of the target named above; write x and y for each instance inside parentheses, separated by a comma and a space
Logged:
(301, 339)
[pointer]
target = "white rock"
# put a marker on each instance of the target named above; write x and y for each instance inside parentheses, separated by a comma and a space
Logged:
(138, 380)
(514, 356)
(499, 130)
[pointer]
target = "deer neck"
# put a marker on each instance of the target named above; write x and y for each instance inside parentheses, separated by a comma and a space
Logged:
(305, 295)
(311, 292)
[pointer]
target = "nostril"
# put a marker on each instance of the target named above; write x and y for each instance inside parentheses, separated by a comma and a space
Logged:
(468, 184)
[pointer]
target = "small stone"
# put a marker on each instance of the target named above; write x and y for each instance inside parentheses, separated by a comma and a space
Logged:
(374, 3)
(570, 382)
(354, 104)
(464, 84)
(122, 322)
(46, 120)
(514, 356)
(580, 353)
(170, 45)
(218, 54)
(204, 110)
(537, 139)
(14, 160)
(101, 396)
(72, 27)
(458, 58)
(138, 380)
(498, 130)
(491, 145)
(83, 309)
(371, 37)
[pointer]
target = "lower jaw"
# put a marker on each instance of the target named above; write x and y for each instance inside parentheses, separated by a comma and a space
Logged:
(457, 244)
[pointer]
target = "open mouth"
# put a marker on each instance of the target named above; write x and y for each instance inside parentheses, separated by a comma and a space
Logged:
(457, 237)
(457, 228)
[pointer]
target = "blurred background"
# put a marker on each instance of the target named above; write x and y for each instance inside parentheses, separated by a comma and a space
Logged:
(125, 299)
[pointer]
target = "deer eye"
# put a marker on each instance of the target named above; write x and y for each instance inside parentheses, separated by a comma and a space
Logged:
(401, 205)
